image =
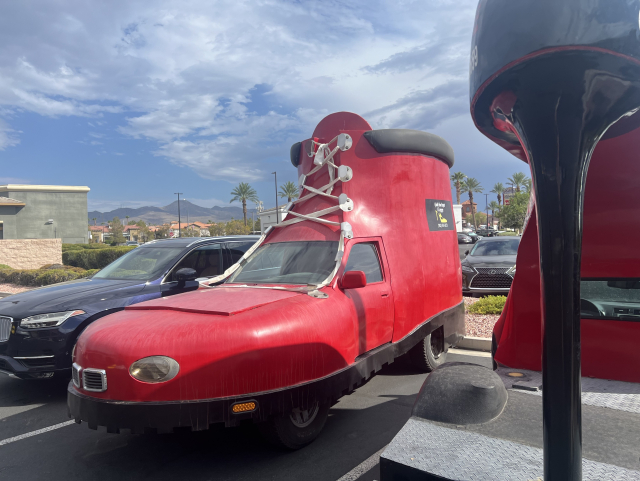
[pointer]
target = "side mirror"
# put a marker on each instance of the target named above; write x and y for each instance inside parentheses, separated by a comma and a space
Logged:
(466, 253)
(185, 274)
(353, 280)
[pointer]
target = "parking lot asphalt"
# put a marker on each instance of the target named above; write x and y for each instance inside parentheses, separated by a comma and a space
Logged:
(359, 426)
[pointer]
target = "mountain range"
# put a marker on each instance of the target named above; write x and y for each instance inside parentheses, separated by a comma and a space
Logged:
(159, 215)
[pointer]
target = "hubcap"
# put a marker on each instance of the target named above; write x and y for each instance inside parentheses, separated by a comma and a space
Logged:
(301, 418)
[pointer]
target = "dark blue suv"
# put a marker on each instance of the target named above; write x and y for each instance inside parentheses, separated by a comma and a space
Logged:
(39, 328)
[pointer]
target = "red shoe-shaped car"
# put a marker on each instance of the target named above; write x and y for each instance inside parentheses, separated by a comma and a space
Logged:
(364, 268)
(610, 285)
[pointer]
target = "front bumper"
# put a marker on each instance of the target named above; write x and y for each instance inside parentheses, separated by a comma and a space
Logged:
(161, 417)
(37, 353)
(485, 292)
(19, 368)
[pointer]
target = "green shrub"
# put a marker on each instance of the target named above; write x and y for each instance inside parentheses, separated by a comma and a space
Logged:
(488, 305)
(4, 266)
(41, 277)
(93, 258)
(55, 276)
(79, 247)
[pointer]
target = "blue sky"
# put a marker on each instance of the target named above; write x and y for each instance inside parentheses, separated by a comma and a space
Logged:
(139, 100)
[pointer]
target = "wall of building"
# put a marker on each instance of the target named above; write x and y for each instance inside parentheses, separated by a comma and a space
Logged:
(67, 209)
(30, 253)
(457, 214)
(8, 218)
(268, 218)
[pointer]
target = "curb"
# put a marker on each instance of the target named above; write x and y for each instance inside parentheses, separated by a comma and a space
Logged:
(4, 294)
(475, 344)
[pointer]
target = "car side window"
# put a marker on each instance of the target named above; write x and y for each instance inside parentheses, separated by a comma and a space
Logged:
(205, 260)
(233, 252)
(364, 257)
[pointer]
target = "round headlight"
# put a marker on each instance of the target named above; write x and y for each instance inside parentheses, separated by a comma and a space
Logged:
(154, 369)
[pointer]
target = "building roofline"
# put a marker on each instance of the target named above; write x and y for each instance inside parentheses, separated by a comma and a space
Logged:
(42, 188)
(272, 210)
(7, 201)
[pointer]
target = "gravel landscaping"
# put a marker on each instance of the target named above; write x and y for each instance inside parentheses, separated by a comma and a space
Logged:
(478, 325)
(13, 289)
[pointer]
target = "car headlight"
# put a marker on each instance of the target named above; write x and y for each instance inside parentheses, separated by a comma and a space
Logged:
(52, 319)
(154, 369)
(512, 271)
(467, 269)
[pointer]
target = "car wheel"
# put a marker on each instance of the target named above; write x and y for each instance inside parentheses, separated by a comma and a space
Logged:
(429, 353)
(296, 428)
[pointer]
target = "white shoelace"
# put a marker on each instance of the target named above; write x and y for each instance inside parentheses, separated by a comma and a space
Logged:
(323, 156)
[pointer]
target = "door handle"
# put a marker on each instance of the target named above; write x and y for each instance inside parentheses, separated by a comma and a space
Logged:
(385, 294)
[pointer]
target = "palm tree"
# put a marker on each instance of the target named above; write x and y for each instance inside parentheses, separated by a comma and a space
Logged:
(517, 180)
(458, 179)
(528, 185)
(498, 189)
(288, 190)
(493, 205)
(472, 185)
(127, 219)
(243, 193)
(94, 221)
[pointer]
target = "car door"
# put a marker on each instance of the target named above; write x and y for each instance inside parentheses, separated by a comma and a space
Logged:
(374, 302)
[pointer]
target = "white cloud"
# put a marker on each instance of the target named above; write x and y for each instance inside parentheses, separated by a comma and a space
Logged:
(8, 136)
(184, 72)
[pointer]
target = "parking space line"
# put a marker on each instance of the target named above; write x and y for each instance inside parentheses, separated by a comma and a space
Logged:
(35, 433)
(363, 467)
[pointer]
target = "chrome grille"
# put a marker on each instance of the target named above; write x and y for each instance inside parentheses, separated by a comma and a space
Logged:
(5, 328)
(75, 373)
(94, 380)
(488, 281)
(492, 270)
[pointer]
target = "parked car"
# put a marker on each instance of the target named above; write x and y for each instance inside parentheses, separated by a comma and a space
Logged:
(474, 236)
(486, 233)
(490, 266)
(132, 243)
(39, 328)
(464, 238)
(336, 291)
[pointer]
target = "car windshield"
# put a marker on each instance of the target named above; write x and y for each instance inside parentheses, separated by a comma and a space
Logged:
(288, 263)
(502, 247)
(143, 263)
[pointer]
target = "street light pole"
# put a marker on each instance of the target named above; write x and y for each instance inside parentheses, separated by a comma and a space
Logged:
(179, 194)
(276, 178)
(486, 206)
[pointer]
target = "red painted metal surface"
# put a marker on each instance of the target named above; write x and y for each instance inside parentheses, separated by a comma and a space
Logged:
(231, 341)
(609, 250)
